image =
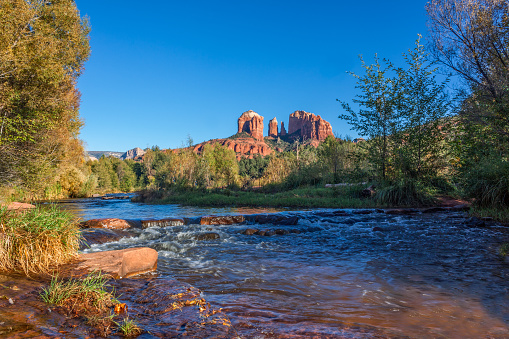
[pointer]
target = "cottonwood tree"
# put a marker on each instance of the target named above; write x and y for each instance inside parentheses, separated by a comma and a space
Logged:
(423, 105)
(377, 116)
(43, 48)
(401, 111)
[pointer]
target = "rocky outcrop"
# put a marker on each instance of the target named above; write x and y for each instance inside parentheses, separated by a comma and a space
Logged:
(244, 147)
(273, 128)
(121, 263)
(251, 123)
(133, 154)
(283, 129)
(309, 126)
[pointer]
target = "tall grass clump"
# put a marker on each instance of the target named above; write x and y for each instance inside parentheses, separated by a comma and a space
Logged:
(35, 240)
(488, 183)
(405, 192)
(89, 296)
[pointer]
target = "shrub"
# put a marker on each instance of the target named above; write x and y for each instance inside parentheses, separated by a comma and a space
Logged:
(33, 241)
(405, 192)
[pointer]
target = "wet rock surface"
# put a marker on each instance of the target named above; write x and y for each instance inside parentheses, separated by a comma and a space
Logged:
(222, 220)
(207, 236)
(120, 263)
(162, 223)
(162, 308)
(94, 236)
(109, 223)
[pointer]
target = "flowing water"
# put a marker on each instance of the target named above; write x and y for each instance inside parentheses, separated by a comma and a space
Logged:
(413, 276)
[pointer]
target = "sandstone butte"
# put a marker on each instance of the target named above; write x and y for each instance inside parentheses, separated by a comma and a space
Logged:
(249, 140)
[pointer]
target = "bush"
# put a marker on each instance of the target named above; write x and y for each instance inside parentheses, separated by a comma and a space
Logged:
(34, 241)
(488, 183)
(405, 192)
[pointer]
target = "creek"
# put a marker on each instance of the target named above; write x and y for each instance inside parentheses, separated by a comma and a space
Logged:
(341, 274)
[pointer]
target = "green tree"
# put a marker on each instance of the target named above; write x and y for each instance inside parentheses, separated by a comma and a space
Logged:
(377, 117)
(423, 107)
(44, 46)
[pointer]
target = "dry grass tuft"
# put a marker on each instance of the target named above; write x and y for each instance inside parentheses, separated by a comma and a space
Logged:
(34, 241)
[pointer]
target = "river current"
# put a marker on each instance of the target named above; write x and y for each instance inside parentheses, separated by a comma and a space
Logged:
(339, 274)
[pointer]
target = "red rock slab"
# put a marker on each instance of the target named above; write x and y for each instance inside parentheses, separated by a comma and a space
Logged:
(120, 263)
(222, 220)
(109, 223)
(15, 206)
(162, 223)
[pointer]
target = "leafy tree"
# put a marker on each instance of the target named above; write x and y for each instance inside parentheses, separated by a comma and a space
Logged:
(377, 117)
(423, 106)
(44, 46)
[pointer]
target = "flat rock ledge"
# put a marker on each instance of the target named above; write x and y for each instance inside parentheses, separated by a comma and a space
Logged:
(17, 206)
(120, 263)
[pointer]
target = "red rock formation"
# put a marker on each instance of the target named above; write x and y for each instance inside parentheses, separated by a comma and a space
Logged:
(109, 223)
(273, 128)
(283, 130)
(311, 126)
(251, 123)
(244, 147)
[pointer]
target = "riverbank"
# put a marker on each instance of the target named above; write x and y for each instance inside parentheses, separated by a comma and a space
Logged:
(309, 197)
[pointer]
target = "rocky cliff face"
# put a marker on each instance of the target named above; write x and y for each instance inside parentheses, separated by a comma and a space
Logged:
(310, 126)
(273, 128)
(283, 129)
(244, 147)
(133, 154)
(251, 123)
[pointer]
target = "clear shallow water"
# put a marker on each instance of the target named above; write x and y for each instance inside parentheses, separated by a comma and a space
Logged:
(422, 276)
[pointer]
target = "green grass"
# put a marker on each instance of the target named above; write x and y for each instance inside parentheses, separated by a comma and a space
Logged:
(36, 240)
(308, 197)
(503, 250)
(129, 328)
(90, 297)
(497, 213)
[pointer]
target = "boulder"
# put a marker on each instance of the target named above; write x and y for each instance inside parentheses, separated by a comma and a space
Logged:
(251, 123)
(222, 220)
(250, 231)
(121, 263)
(162, 223)
(207, 236)
(276, 220)
(109, 223)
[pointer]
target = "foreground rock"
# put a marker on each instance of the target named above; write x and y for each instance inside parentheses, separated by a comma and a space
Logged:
(121, 263)
(108, 223)
(162, 308)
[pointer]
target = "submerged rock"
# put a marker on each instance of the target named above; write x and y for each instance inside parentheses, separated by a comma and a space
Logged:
(109, 223)
(222, 220)
(121, 263)
(250, 231)
(100, 236)
(401, 211)
(162, 223)
(207, 236)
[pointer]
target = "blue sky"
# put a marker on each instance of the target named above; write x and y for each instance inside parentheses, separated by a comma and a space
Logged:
(160, 72)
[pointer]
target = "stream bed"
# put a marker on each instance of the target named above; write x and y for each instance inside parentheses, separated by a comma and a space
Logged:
(337, 274)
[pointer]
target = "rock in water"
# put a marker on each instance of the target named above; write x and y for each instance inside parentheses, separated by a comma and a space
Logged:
(121, 263)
